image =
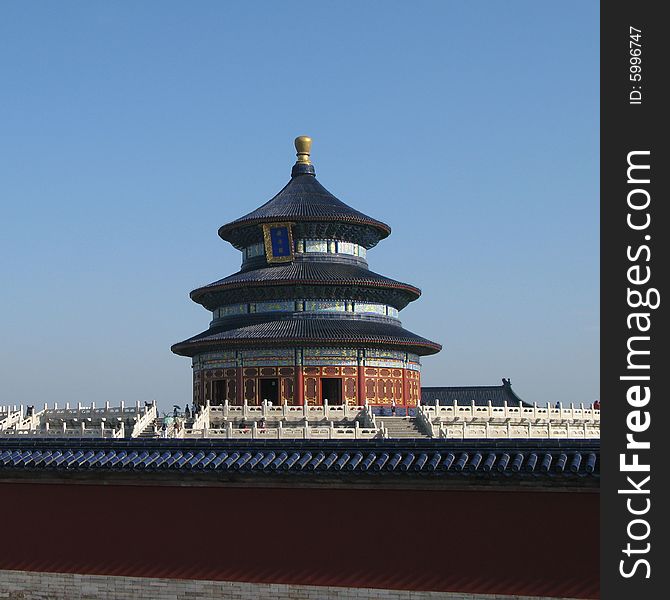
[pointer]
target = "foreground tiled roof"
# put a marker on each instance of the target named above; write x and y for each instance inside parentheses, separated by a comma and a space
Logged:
(306, 329)
(539, 461)
(497, 395)
(304, 199)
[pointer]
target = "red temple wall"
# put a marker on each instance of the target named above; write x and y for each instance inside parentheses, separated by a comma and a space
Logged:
(536, 543)
(380, 386)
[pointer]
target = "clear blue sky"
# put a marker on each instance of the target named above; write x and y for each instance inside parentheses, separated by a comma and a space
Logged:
(129, 132)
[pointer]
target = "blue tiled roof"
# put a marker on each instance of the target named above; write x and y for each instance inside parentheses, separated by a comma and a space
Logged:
(497, 395)
(533, 459)
(311, 274)
(307, 329)
(304, 199)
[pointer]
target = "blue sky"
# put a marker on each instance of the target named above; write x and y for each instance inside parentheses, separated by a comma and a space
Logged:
(129, 132)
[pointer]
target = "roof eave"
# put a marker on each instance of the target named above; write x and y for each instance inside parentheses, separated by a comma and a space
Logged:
(190, 349)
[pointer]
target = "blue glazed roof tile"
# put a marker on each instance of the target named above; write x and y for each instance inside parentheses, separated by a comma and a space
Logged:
(533, 459)
(307, 273)
(479, 395)
(303, 198)
(296, 329)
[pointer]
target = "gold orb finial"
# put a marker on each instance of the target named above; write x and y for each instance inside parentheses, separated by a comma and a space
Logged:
(303, 145)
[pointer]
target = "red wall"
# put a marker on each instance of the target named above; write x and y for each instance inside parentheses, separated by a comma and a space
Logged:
(505, 542)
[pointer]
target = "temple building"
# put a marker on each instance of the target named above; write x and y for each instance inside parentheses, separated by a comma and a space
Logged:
(305, 321)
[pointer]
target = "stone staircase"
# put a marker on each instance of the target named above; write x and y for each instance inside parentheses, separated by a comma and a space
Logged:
(152, 430)
(402, 427)
(155, 428)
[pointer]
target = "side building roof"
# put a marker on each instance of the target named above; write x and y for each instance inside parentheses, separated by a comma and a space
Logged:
(480, 395)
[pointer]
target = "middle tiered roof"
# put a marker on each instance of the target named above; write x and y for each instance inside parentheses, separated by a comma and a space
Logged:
(316, 279)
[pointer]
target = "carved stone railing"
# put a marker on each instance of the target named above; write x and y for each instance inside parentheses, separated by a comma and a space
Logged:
(120, 432)
(547, 430)
(253, 431)
(370, 420)
(472, 421)
(425, 422)
(59, 432)
(511, 411)
(201, 420)
(80, 421)
(92, 412)
(10, 419)
(313, 413)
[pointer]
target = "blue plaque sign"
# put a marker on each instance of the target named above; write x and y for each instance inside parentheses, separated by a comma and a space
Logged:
(278, 242)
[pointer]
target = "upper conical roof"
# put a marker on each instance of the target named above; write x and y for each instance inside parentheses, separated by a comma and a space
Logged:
(304, 199)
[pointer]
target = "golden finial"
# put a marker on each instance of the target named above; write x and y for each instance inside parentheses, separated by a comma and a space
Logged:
(303, 145)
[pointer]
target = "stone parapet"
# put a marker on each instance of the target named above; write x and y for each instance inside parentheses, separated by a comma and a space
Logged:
(27, 585)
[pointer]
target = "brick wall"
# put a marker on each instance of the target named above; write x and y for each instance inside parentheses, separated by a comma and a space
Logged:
(470, 540)
(25, 585)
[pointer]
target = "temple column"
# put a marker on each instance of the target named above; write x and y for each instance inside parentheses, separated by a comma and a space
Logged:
(405, 388)
(361, 377)
(299, 386)
(239, 392)
(299, 379)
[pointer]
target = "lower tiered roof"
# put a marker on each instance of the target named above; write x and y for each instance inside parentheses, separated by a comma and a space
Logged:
(305, 329)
